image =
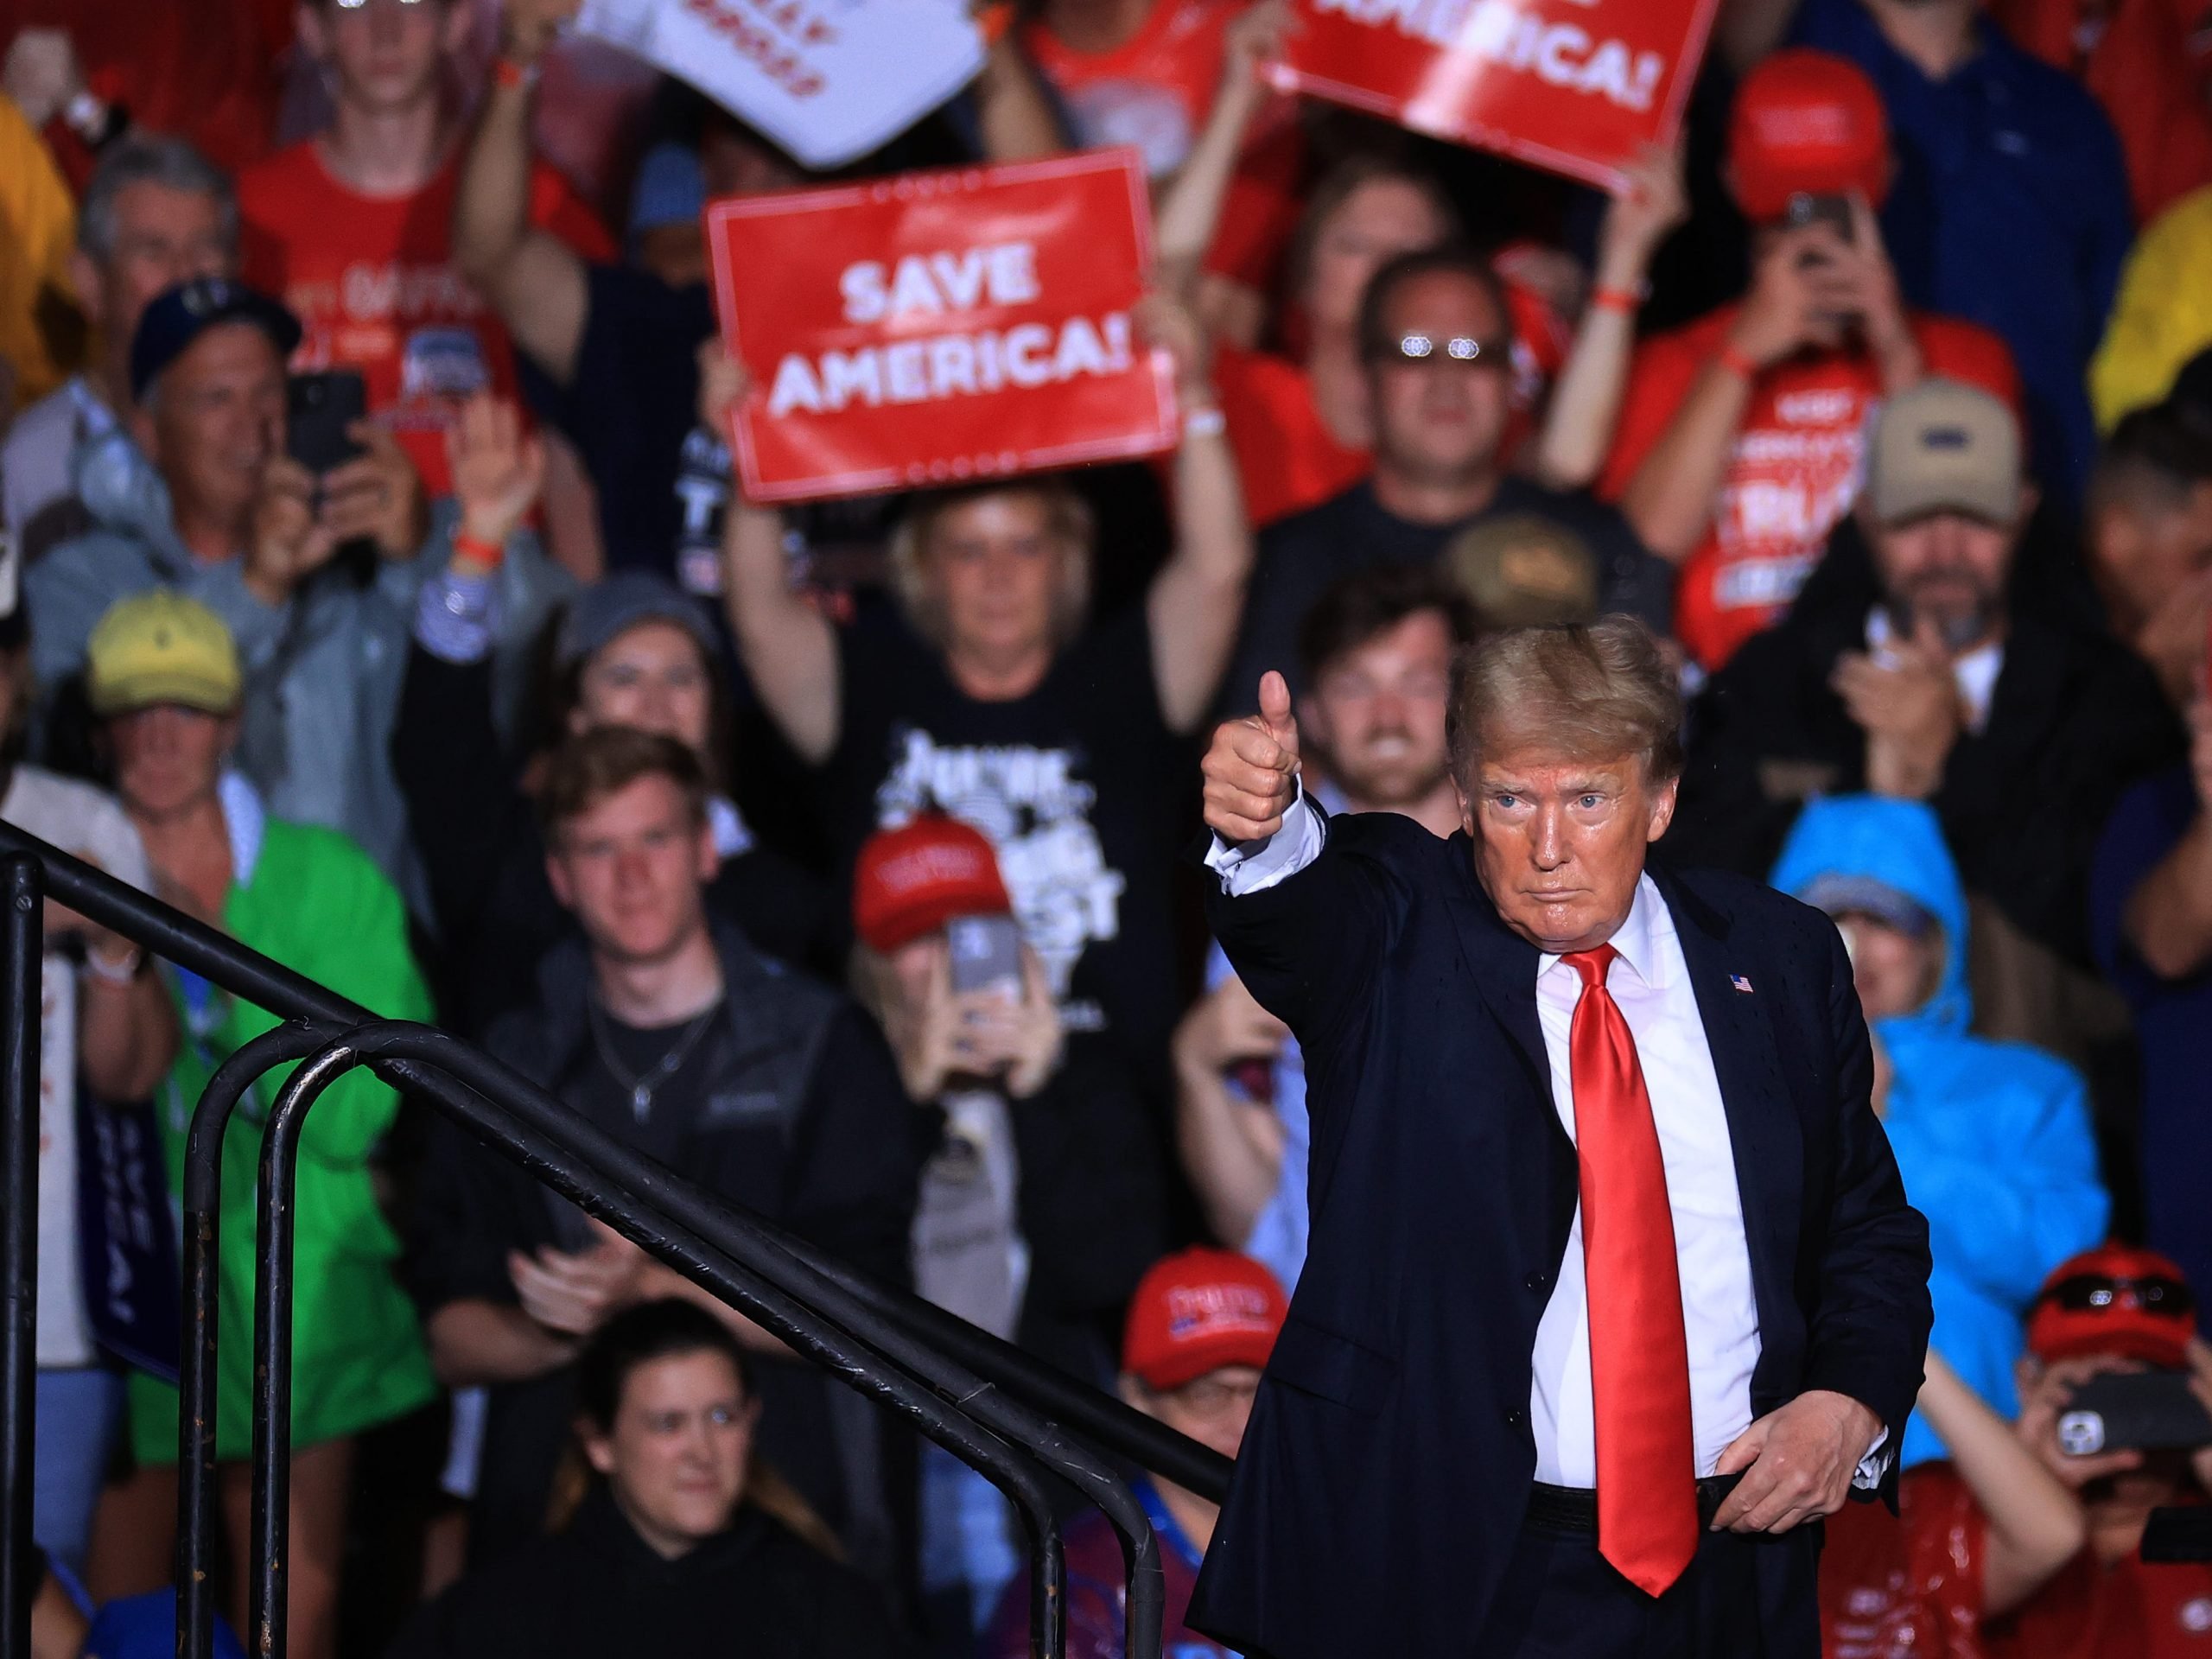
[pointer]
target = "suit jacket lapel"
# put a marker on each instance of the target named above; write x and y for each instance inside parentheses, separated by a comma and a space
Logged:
(1503, 965)
(1762, 1131)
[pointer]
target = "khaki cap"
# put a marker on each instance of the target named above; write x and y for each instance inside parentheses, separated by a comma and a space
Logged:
(1943, 446)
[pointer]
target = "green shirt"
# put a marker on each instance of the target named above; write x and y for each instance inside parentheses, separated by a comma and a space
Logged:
(311, 900)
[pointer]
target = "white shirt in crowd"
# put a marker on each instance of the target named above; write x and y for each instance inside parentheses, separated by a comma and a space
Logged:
(80, 819)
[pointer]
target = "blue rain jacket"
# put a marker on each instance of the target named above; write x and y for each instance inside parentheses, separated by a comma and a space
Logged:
(1992, 1138)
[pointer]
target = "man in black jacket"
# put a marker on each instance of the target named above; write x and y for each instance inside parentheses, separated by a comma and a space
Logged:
(674, 1036)
(1436, 339)
(1613, 1291)
(2020, 733)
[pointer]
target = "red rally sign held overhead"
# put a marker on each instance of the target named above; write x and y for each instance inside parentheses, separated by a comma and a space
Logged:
(940, 328)
(1575, 85)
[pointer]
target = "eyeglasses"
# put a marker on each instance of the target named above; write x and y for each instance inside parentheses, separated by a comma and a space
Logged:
(2093, 1292)
(1462, 350)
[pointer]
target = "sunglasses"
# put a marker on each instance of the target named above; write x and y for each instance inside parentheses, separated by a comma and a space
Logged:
(2094, 1293)
(1463, 350)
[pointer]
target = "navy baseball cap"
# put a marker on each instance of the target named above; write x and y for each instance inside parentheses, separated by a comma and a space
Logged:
(179, 316)
(617, 603)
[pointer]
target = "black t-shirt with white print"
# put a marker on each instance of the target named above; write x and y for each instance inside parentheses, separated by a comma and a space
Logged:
(1075, 785)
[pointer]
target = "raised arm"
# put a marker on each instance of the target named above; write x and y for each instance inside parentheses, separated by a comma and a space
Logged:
(534, 281)
(1669, 501)
(1198, 598)
(789, 648)
(2035, 1525)
(1305, 912)
(2167, 917)
(1585, 402)
(1187, 211)
(1017, 118)
(1232, 1149)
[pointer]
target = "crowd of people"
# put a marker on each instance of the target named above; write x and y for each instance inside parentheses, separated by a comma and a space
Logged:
(832, 855)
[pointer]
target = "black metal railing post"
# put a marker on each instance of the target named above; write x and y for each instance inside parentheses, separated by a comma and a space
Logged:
(1012, 1468)
(22, 888)
(197, 1390)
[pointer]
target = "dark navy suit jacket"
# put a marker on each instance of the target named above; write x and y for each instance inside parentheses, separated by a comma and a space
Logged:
(1385, 1471)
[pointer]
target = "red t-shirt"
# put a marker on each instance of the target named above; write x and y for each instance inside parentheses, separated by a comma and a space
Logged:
(1288, 460)
(1155, 91)
(373, 280)
(1907, 1586)
(2126, 1611)
(1794, 469)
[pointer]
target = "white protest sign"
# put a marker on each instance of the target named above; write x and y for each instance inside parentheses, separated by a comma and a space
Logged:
(828, 81)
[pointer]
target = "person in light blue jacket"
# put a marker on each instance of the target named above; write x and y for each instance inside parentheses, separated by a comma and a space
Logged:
(1992, 1138)
(194, 497)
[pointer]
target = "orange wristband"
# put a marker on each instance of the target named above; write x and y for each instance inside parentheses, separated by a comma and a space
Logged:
(487, 553)
(1622, 300)
(507, 72)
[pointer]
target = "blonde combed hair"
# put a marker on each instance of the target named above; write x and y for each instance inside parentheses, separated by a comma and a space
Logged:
(1584, 692)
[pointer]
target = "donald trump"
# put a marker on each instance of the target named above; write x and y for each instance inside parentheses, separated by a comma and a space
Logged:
(1613, 1292)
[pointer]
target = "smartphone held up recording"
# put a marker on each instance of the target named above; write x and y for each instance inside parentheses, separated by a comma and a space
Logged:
(985, 955)
(2134, 1411)
(321, 409)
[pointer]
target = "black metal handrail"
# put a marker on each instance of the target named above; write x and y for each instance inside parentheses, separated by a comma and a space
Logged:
(819, 1305)
(1014, 1470)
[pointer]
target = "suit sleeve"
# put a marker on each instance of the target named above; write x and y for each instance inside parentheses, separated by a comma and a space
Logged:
(1868, 1333)
(1309, 946)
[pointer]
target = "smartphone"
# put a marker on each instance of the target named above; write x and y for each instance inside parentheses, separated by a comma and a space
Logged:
(1821, 208)
(319, 407)
(985, 955)
(2146, 1411)
(2181, 1533)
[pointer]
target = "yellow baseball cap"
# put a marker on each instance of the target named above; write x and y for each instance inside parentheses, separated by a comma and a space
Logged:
(161, 647)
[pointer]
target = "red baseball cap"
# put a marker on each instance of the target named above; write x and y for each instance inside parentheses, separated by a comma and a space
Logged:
(1198, 1311)
(913, 879)
(1806, 120)
(2117, 1299)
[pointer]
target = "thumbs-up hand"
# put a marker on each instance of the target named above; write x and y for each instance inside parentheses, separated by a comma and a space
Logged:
(1251, 767)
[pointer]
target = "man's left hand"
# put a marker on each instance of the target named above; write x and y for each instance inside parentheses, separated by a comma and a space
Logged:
(1799, 1462)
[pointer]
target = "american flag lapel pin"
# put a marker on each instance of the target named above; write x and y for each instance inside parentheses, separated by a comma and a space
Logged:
(1740, 983)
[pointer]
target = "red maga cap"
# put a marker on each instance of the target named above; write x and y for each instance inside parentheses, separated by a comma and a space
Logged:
(1198, 1311)
(1806, 120)
(913, 879)
(2117, 1299)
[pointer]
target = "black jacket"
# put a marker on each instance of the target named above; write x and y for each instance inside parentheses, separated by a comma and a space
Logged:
(1386, 1469)
(599, 1591)
(1090, 1197)
(801, 1119)
(484, 857)
(2075, 719)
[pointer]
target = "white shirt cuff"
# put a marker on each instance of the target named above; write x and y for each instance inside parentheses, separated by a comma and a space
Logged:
(1248, 866)
(1875, 1464)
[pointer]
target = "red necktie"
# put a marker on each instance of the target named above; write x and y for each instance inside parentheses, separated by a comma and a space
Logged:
(1639, 1359)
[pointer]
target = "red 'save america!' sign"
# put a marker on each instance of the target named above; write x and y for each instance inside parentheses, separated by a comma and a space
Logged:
(940, 328)
(1575, 85)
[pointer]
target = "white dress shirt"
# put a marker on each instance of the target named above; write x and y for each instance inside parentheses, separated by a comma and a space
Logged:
(1650, 984)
